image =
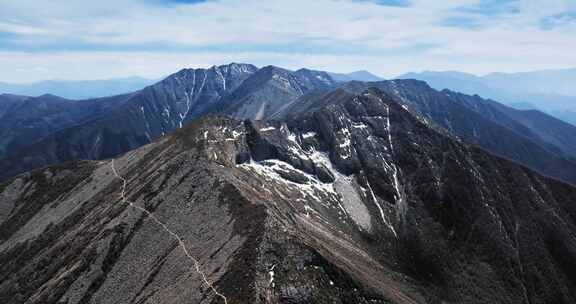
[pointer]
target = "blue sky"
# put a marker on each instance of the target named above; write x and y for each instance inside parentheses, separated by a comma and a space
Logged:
(70, 39)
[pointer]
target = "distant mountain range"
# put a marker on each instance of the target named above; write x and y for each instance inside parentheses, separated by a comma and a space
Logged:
(82, 89)
(551, 91)
(85, 89)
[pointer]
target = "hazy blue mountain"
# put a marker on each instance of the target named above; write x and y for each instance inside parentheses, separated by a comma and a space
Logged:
(566, 115)
(555, 82)
(81, 89)
(551, 91)
(25, 120)
(453, 80)
(358, 75)
(546, 82)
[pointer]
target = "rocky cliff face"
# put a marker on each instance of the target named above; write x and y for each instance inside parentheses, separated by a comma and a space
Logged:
(531, 140)
(137, 120)
(272, 89)
(356, 201)
(26, 120)
(125, 122)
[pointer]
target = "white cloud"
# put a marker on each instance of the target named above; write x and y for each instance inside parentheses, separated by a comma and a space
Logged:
(102, 39)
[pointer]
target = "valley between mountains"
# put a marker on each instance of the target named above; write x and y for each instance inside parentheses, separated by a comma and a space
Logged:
(243, 185)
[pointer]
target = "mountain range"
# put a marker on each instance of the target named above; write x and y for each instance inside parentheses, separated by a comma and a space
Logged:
(77, 89)
(239, 184)
(354, 200)
(86, 89)
(551, 91)
(113, 125)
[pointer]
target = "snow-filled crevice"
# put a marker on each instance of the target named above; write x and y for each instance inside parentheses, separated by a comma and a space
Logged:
(260, 114)
(222, 77)
(382, 215)
(400, 195)
(187, 99)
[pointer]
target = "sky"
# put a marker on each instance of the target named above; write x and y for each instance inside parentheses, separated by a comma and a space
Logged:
(71, 39)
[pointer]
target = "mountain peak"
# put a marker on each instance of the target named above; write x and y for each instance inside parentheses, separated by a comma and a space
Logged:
(274, 69)
(238, 67)
(361, 75)
(52, 97)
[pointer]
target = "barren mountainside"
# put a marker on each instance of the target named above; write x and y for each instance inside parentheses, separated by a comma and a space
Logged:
(536, 140)
(33, 139)
(354, 201)
(49, 130)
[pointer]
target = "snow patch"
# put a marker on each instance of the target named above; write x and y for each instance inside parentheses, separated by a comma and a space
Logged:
(307, 209)
(267, 129)
(314, 188)
(292, 138)
(236, 134)
(260, 113)
(271, 275)
(343, 191)
(386, 222)
(400, 194)
(346, 143)
(308, 135)
(359, 125)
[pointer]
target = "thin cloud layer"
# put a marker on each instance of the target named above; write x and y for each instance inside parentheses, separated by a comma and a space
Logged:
(102, 39)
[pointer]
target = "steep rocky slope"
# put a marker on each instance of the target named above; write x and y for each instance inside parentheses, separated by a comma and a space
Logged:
(238, 90)
(548, 91)
(356, 201)
(142, 117)
(536, 141)
(25, 120)
(556, 132)
(272, 89)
